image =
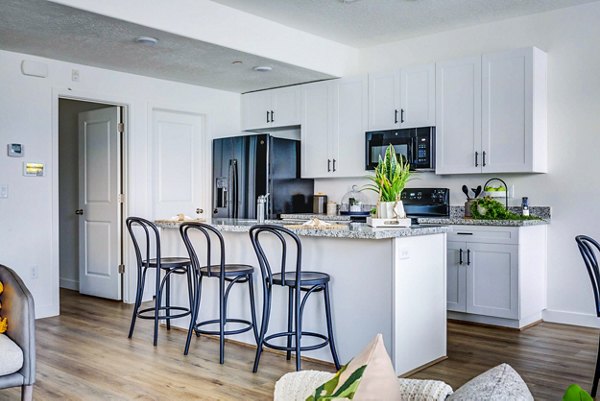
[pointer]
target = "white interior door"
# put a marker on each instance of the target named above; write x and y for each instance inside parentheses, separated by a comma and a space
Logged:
(99, 189)
(178, 164)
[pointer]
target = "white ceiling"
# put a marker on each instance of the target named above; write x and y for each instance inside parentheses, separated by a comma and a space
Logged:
(55, 31)
(365, 23)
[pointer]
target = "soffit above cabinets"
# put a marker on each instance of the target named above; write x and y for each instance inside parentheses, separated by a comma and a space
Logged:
(47, 29)
(363, 23)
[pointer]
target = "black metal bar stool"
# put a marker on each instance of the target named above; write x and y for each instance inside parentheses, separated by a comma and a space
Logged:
(590, 249)
(226, 273)
(298, 281)
(167, 265)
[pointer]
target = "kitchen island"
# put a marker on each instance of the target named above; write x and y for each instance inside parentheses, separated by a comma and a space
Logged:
(389, 281)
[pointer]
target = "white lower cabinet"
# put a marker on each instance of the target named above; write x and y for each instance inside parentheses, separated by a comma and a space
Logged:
(497, 275)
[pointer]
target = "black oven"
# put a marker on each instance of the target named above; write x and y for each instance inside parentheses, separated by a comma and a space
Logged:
(415, 145)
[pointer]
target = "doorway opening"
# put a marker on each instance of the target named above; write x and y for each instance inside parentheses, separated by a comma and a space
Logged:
(91, 197)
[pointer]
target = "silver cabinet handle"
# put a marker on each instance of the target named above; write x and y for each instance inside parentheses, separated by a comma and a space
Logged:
(460, 257)
(334, 165)
(79, 211)
(329, 165)
(199, 211)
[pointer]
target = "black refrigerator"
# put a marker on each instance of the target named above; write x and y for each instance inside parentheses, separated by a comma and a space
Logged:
(245, 167)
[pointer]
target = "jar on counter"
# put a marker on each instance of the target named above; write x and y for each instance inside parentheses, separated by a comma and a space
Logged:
(331, 208)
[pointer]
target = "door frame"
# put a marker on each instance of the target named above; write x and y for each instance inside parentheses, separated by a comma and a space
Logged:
(84, 96)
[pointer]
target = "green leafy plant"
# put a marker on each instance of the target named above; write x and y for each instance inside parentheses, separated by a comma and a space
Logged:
(327, 391)
(391, 175)
(487, 208)
(576, 393)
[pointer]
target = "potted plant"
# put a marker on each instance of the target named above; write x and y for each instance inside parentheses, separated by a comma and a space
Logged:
(391, 175)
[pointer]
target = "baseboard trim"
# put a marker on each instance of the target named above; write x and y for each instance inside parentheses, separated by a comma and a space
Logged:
(571, 318)
(69, 284)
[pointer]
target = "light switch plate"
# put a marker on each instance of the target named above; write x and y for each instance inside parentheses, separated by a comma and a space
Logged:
(3, 191)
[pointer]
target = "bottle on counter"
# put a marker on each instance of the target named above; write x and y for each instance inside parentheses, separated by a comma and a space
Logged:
(331, 208)
(525, 206)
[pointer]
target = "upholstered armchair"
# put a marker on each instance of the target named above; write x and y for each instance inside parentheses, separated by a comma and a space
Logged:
(18, 307)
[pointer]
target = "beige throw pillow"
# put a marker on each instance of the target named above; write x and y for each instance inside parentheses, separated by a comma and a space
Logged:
(379, 380)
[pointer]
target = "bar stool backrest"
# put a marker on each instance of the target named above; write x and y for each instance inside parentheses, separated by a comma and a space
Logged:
(589, 249)
(283, 235)
(150, 233)
(209, 232)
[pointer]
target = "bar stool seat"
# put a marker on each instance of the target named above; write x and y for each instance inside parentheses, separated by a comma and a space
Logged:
(306, 278)
(169, 262)
(231, 270)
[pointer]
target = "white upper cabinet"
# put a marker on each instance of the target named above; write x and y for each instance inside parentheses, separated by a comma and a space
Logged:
(273, 108)
(417, 96)
(458, 108)
(514, 111)
(333, 128)
(403, 98)
(491, 114)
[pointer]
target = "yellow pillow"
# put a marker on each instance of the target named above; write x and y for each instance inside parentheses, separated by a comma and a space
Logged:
(3, 322)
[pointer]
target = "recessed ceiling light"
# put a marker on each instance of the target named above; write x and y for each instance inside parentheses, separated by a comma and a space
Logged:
(237, 62)
(348, 1)
(263, 68)
(146, 40)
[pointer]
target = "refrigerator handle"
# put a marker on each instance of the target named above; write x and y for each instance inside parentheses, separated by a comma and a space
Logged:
(235, 188)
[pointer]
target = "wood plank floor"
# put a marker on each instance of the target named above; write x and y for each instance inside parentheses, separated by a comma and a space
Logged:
(84, 354)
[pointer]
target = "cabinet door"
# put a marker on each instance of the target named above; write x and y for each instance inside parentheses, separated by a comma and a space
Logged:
(315, 131)
(458, 116)
(507, 103)
(492, 280)
(417, 96)
(384, 101)
(286, 106)
(255, 106)
(456, 276)
(350, 123)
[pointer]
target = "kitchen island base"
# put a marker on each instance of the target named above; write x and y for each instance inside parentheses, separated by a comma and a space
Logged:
(394, 286)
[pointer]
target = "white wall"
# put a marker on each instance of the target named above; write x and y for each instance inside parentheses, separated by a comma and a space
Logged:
(29, 115)
(572, 187)
(68, 188)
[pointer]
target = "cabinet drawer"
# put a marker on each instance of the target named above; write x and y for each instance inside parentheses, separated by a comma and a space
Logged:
(492, 235)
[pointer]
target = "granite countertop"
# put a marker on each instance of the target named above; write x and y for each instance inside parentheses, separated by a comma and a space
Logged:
(351, 231)
(456, 218)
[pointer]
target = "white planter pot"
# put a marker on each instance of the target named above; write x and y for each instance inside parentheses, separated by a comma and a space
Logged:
(390, 210)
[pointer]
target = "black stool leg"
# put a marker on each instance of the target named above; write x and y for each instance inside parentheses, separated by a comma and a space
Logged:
(157, 305)
(596, 373)
(290, 329)
(194, 314)
(263, 326)
(138, 300)
(221, 321)
(298, 326)
(168, 300)
(252, 307)
(336, 360)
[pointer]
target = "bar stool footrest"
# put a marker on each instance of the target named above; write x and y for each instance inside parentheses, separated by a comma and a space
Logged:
(293, 348)
(148, 313)
(198, 330)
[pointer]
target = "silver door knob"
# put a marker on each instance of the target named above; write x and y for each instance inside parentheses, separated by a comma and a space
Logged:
(79, 211)
(199, 211)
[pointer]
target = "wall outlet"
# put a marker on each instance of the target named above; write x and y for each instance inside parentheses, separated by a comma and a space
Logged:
(75, 75)
(35, 273)
(3, 191)
(403, 253)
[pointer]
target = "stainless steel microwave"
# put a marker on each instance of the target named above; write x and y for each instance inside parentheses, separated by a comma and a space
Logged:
(416, 145)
